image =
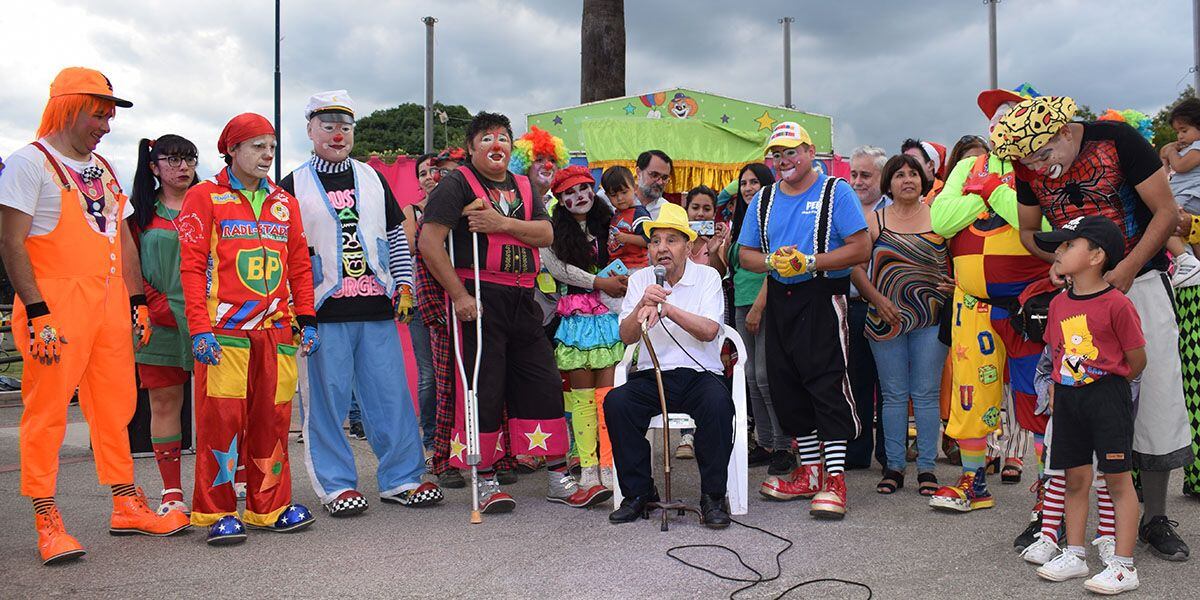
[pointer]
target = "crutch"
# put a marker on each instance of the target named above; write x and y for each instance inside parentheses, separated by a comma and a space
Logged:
(470, 400)
(666, 504)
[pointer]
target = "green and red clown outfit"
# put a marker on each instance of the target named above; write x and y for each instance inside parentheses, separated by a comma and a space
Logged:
(243, 259)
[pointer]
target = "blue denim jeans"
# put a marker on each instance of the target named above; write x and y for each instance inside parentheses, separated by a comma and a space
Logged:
(910, 366)
(426, 386)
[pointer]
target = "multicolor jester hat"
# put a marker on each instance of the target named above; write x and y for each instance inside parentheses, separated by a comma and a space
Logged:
(1030, 124)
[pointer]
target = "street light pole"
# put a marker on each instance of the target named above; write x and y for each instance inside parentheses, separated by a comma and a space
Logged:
(1196, 48)
(993, 79)
(787, 60)
(278, 137)
(429, 21)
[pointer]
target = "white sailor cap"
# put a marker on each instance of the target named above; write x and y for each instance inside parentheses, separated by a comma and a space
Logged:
(332, 106)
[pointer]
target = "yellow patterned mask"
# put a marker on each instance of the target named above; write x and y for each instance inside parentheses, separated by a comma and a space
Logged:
(1030, 124)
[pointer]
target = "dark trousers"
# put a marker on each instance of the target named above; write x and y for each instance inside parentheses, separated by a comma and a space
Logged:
(864, 382)
(629, 408)
(807, 330)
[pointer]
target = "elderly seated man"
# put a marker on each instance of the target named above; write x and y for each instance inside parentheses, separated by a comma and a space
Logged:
(683, 315)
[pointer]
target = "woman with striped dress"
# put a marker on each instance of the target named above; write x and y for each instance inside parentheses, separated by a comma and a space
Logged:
(906, 283)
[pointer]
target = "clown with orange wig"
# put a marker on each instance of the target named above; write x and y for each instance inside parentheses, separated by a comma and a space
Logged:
(79, 309)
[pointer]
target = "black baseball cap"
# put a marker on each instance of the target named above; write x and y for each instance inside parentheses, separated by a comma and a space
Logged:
(1099, 230)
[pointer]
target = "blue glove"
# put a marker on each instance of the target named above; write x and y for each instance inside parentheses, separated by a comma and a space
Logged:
(206, 349)
(309, 340)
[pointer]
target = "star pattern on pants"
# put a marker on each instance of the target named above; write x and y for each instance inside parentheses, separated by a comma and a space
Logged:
(537, 438)
(457, 449)
(226, 463)
(272, 467)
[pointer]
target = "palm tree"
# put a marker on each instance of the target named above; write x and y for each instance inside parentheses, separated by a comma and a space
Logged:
(602, 58)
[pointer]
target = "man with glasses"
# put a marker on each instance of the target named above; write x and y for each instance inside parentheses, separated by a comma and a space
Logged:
(654, 171)
(807, 231)
(362, 279)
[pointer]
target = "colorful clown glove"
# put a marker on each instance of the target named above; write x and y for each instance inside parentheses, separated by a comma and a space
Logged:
(309, 341)
(982, 184)
(45, 339)
(788, 262)
(206, 348)
(140, 313)
(403, 303)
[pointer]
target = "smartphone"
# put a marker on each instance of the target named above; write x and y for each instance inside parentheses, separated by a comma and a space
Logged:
(614, 268)
(703, 227)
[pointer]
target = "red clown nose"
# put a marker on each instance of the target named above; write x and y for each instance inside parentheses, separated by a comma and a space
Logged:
(338, 138)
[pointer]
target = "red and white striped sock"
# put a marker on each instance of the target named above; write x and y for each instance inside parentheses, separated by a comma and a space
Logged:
(1053, 507)
(1104, 505)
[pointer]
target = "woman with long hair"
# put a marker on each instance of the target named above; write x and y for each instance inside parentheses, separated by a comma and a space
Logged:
(749, 300)
(166, 168)
(587, 344)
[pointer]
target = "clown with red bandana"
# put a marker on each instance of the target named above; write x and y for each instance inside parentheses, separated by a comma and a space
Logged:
(243, 261)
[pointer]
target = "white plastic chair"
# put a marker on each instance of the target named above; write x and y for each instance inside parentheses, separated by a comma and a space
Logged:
(737, 488)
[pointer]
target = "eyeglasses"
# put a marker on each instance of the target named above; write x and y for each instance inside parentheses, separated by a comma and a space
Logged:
(342, 127)
(790, 154)
(174, 161)
(663, 177)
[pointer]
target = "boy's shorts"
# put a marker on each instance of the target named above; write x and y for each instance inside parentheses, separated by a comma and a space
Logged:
(1093, 419)
(1189, 203)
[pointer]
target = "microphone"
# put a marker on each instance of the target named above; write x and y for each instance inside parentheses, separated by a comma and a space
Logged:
(660, 278)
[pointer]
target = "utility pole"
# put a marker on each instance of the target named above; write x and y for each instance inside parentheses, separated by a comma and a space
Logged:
(1196, 48)
(429, 21)
(787, 60)
(278, 137)
(993, 78)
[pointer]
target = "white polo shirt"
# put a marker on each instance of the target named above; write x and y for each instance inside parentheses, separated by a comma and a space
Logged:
(698, 292)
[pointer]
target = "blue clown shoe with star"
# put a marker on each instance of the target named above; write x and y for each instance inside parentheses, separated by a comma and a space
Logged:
(227, 531)
(293, 518)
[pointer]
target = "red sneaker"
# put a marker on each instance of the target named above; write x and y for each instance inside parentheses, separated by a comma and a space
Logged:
(54, 543)
(830, 503)
(804, 482)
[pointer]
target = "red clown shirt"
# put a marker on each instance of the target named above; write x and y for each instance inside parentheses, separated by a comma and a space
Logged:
(238, 269)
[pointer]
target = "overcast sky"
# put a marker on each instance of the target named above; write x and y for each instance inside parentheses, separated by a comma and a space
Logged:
(884, 70)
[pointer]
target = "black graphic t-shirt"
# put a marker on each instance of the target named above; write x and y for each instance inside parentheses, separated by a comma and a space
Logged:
(453, 193)
(361, 298)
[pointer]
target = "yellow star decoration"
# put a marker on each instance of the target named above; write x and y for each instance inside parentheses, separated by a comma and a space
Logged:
(537, 438)
(457, 448)
(765, 121)
(500, 444)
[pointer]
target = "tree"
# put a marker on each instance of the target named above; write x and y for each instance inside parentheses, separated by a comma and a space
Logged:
(401, 130)
(602, 50)
(1161, 123)
(1085, 113)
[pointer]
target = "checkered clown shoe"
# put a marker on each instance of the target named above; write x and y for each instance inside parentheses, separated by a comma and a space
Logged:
(426, 494)
(347, 504)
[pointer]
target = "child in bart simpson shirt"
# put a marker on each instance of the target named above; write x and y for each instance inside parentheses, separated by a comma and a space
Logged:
(1096, 339)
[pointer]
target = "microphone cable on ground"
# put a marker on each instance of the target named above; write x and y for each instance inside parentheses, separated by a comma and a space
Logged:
(759, 579)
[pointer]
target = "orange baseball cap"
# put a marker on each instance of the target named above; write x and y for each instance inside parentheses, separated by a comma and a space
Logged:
(81, 80)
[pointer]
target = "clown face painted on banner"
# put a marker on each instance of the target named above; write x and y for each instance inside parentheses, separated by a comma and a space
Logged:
(490, 150)
(332, 140)
(579, 198)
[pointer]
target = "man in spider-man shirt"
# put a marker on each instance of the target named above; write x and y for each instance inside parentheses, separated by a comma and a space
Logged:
(1068, 169)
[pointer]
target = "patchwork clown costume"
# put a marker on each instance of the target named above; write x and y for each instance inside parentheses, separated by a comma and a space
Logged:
(243, 260)
(977, 212)
(362, 277)
(79, 326)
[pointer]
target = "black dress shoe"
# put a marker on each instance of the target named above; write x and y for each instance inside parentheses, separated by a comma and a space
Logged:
(758, 457)
(452, 479)
(713, 512)
(633, 508)
(506, 476)
(783, 462)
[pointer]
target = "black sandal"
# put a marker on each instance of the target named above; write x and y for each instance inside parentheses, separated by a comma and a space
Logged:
(927, 484)
(1011, 473)
(892, 481)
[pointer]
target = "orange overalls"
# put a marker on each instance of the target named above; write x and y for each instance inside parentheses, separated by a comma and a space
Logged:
(79, 272)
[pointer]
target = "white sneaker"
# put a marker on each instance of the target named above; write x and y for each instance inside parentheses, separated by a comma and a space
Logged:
(1064, 566)
(589, 478)
(1040, 551)
(1113, 580)
(1187, 271)
(1106, 547)
(606, 477)
(685, 449)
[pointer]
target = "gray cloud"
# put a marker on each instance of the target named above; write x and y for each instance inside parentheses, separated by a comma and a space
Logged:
(883, 70)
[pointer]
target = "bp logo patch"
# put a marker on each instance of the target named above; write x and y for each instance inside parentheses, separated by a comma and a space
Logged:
(260, 270)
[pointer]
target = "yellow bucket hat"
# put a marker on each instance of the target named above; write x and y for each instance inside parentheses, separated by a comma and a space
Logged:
(1030, 124)
(670, 216)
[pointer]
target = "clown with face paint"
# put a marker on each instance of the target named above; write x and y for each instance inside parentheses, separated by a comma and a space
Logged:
(243, 261)
(538, 156)
(587, 342)
(1067, 169)
(977, 212)
(517, 371)
(362, 277)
